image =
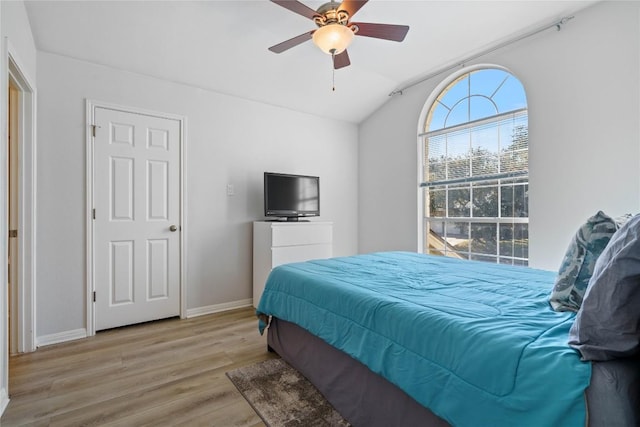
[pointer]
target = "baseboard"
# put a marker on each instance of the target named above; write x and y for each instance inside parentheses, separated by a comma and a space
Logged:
(216, 308)
(191, 312)
(4, 400)
(60, 337)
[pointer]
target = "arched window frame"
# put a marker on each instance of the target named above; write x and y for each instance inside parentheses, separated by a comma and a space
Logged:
(516, 224)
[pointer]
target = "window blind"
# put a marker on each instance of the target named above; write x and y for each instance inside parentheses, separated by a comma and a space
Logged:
(492, 148)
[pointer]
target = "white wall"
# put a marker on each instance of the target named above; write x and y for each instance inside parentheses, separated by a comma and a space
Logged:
(15, 31)
(583, 89)
(16, 28)
(229, 141)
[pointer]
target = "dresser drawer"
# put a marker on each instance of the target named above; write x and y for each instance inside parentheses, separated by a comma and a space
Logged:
(301, 234)
(288, 254)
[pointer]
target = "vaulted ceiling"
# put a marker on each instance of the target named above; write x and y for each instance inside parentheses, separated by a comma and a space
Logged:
(222, 45)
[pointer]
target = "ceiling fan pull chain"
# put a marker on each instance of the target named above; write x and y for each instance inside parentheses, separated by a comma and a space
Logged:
(333, 72)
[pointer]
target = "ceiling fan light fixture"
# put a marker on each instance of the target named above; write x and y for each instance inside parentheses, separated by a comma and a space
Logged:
(333, 39)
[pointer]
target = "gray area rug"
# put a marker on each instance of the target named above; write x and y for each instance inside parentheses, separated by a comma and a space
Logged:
(282, 397)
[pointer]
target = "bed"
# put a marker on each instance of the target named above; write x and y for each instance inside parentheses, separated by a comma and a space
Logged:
(400, 338)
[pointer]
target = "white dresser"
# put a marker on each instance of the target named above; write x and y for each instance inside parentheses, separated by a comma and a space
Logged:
(276, 243)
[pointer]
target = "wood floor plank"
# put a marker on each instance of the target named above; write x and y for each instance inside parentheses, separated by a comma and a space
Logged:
(170, 372)
(237, 414)
(152, 404)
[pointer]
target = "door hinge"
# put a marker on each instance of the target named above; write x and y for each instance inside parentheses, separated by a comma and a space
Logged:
(93, 130)
(94, 296)
(94, 213)
(13, 233)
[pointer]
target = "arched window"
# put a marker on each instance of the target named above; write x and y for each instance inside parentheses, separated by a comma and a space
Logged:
(475, 169)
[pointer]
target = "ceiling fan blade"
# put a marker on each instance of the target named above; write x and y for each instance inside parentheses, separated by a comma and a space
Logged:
(395, 33)
(297, 7)
(288, 44)
(341, 60)
(352, 6)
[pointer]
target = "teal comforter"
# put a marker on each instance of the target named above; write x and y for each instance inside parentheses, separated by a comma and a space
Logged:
(477, 343)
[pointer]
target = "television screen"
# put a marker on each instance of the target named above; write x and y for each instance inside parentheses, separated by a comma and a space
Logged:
(291, 196)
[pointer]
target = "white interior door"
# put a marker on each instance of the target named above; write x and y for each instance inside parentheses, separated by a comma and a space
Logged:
(137, 217)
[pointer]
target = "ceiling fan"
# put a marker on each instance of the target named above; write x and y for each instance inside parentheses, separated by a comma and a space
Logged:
(335, 30)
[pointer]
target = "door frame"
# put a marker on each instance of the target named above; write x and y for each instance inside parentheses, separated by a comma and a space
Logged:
(23, 315)
(91, 106)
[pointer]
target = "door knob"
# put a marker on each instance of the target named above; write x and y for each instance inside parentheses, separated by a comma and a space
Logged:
(173, 228)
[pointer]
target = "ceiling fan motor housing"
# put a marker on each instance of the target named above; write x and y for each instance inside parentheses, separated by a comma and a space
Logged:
(328, 13)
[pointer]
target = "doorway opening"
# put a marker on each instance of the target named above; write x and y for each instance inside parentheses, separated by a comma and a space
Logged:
(12, 210)
(21, 192)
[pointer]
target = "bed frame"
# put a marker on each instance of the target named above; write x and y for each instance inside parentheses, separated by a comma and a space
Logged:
(366, 399)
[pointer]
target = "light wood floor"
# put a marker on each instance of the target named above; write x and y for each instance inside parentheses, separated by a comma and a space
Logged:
(170, 372)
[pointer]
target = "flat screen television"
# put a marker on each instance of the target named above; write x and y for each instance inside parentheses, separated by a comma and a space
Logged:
(291, 196)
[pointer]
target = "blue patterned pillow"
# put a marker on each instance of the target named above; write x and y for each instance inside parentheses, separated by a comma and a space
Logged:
(580, 259)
